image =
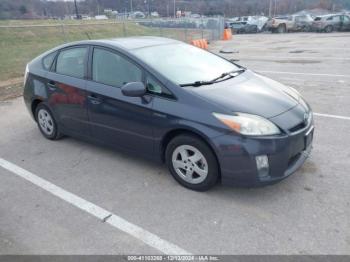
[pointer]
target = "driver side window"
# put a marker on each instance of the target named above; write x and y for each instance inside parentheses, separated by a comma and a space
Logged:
(112, 69)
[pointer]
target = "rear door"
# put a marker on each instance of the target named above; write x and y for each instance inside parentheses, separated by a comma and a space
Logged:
(116, 119)
(66, 84)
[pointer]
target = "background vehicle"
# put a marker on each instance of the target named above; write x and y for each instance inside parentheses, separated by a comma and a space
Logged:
(283, 24)
(330, 23)
(259, 21)
(303, 23)
(242, 27)
(280, 24)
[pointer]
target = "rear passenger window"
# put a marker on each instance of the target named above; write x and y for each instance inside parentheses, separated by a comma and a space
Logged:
(47, 60)
(71, 62)
(111, 69)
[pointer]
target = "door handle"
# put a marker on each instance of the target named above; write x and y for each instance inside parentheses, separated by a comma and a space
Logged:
(52, 85)
(94, 100)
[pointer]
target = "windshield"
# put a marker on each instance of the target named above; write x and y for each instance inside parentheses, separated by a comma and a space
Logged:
(182, 63)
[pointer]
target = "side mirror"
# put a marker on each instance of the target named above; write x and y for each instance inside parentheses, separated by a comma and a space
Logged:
(134, 89)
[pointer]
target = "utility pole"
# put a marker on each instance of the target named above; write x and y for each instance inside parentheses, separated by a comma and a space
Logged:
(275, 8)
(76, 9)
(131, 7)
(174, 8)
(270, 8)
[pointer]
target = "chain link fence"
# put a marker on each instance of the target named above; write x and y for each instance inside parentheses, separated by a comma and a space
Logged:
(20, 41)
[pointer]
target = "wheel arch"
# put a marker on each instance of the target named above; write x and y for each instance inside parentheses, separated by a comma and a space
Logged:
(186, 131)
(34, 105)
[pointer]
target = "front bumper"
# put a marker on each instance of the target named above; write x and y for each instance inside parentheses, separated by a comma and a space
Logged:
(286, 154)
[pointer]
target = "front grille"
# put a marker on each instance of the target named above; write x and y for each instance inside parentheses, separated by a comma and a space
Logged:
(298, 127)
(302, 124)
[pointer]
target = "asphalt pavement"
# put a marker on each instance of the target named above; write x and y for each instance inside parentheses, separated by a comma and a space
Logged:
(308, 213)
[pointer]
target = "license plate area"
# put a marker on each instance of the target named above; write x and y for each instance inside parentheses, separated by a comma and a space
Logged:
(308, 138)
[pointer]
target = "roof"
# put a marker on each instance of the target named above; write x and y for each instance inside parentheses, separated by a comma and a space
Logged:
(130, 43)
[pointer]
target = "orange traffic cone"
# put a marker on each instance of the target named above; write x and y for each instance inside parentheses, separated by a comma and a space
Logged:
(201, 43)
(227, 34)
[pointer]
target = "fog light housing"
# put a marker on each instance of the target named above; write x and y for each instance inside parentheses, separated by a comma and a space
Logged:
(262, 164)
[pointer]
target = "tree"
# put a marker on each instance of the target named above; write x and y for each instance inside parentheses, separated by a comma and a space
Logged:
(23, 9)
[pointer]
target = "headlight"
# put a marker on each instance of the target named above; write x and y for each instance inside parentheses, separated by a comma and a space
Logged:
(247, 124)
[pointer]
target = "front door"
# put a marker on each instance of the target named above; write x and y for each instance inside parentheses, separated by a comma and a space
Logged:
(345, 23)
(116, 119)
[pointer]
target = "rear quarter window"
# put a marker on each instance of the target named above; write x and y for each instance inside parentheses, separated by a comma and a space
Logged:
(48, 60)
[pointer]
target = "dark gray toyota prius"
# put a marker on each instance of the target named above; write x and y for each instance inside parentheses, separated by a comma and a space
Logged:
(206, 117)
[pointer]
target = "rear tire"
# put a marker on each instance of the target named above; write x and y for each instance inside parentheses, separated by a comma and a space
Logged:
(192, 162)
(46, 122)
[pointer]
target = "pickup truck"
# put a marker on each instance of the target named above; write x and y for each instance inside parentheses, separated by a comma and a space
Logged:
(283, 24)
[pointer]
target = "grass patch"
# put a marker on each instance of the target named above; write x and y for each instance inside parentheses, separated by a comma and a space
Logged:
(20, 45)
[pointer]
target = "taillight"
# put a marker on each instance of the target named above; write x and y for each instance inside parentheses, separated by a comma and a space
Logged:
(273, 21)
(25, 75)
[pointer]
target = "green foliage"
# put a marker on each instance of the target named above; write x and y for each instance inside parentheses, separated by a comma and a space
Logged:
(23, 9)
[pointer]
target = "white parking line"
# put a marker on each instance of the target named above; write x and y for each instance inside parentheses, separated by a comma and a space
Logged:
(332, 116)
(150, 239)
(296, 73)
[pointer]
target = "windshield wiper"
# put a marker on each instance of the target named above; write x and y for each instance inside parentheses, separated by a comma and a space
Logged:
(241, 70)
(198, 83)
(215, 80)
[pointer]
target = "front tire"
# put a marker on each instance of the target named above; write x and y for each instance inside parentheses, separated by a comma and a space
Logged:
(281, 29)
(329, 29)
(192, 163)
(46, 122)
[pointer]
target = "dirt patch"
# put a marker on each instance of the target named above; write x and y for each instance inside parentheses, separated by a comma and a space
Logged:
(307, 188)
(279, 48)
(11, 88)
(10, 82)
(302, 51)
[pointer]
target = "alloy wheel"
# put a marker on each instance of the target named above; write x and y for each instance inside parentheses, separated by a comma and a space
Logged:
(46, 122)
(190, 164)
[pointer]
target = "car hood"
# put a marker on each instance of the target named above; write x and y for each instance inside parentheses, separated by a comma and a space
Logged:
(250, 93)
